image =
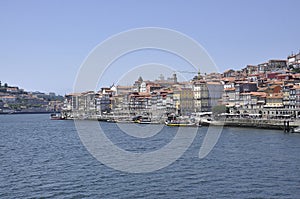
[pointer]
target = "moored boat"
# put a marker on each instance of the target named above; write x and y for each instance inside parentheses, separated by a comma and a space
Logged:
(56, 116)
(296, 130)
(180, 124)
(209, 121)
(142, 120)
(177, 121)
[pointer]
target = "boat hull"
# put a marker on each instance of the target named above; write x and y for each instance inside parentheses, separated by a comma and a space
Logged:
(180, 124)
(55, 116)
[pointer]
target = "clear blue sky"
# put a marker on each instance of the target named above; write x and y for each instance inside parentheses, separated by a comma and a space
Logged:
(43, 43)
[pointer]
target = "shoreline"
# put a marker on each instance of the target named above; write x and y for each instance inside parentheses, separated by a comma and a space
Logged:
(274, 124)
(232, 122)
(23, 113)
(257, 123)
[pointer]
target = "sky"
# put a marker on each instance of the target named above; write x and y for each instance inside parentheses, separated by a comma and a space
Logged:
(44, 43)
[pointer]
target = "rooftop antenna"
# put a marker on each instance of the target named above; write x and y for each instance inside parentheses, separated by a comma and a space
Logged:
(199, 74)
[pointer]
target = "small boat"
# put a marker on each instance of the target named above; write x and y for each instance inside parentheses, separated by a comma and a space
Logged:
(176, 121)
(209, 121)
(111, 121)
(179, 123)
(142, 120)
(56, 116)
(296, 130)
(102, 119)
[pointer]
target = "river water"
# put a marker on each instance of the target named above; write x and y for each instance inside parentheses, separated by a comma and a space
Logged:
(41, 158)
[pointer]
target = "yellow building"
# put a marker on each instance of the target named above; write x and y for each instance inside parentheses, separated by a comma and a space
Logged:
(184, 99)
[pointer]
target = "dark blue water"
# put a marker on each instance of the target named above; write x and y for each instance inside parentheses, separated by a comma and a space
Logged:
(40, 158)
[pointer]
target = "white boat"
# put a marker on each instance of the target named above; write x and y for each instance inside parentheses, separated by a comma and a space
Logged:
(209, 121)
(142, 120)
(56, 116)
(296, 130)
(179, 123)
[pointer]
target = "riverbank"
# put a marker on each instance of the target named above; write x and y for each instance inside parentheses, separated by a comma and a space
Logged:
(17, 113)
(255, 123)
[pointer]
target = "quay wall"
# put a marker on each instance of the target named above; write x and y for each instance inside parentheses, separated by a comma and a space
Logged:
(260, 123)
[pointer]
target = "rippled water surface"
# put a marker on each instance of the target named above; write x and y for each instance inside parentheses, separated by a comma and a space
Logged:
(40, 158)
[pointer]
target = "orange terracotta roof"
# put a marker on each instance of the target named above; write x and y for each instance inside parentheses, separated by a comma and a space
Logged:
(215, 83)
(8, 97)
(229, 79)
(261, 94)
(278, 82)
(282, 75)
(296, 86)
(273, 86)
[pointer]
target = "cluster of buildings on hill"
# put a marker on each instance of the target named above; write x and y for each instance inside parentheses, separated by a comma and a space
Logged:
(16, 100)
(266, 90)
(155, 97)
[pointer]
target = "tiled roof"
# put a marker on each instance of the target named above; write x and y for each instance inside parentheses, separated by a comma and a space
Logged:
(261, 94)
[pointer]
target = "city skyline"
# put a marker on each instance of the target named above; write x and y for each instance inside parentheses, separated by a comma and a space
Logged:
(44, 44)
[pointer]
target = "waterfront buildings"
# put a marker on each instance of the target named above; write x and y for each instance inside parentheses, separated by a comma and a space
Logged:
(267, 90)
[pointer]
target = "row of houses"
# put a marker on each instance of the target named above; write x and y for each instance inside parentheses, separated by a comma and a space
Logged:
(158, 97)
(276, 100)
(268, 90)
